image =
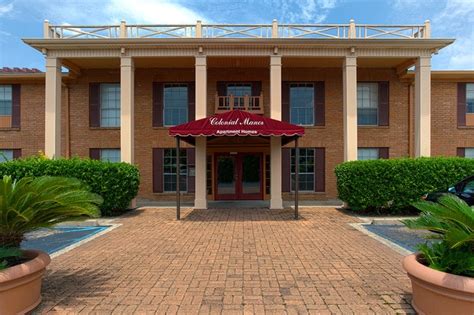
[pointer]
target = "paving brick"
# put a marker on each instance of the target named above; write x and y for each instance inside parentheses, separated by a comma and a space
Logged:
(229, 261)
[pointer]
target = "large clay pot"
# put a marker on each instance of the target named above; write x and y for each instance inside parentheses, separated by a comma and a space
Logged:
(436, 292)
(20, 285)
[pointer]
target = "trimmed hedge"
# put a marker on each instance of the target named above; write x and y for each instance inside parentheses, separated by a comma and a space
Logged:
(391, 186)
(117, 183)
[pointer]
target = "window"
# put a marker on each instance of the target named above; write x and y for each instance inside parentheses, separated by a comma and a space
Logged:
(367, 103)
(169, 170)
(469, 153)
(306, 169)
(239, 89)
(110, 155)
(302, 104)
(6, 102)
(6, 155)
(110, 105)
(175, 104)
(470, 98)
(469, 187)
(367, 154)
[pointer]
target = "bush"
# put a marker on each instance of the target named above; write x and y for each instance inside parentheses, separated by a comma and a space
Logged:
(116, 183)
(391, 186)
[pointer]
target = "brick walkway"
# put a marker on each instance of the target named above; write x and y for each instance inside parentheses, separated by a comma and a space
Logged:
(231, 262)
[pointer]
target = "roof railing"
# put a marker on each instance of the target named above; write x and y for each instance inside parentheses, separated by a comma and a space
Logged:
(273, 30)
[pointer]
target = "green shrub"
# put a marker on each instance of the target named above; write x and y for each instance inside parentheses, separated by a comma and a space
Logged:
(116, 183)
(391, 186)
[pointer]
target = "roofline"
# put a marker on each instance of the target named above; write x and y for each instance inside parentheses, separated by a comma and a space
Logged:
(433, 44)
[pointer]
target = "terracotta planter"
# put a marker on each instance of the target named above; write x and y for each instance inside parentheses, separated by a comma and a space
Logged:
(436, 292)
(20, 285)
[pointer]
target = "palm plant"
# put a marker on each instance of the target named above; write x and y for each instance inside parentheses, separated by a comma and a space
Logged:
(452, 222)
(32, 203)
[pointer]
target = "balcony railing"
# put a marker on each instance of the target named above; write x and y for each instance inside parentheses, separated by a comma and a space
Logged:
(253, 104)
(273, 30)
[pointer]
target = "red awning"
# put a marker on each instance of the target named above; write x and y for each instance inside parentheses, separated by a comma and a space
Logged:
(237, 123)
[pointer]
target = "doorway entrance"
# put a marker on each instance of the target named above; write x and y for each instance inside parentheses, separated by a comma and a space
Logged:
(238, 176)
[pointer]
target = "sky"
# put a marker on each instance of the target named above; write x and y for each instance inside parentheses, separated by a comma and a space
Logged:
(24, 18)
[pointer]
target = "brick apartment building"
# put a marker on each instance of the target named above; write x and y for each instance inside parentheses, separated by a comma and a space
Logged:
(349, 85)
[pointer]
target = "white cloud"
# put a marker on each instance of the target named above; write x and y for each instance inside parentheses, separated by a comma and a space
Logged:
(5, 8)
(153, 12)
(456, 20)
(304, 11)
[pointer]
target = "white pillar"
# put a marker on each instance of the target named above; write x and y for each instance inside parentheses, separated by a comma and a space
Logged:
(276, 201)
(349, 91)
(200, 201)
(52, 141)
(423, 107)
(127, 83)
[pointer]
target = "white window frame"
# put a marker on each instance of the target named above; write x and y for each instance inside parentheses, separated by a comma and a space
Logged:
(171, 85)
(104, 159)
(6, 95)
(103, 108)
(292, 170)
(372, 97)
(369, 158)
(6, 155)
(183, 168)
(470, 96)
(469, 153)
(305, 85)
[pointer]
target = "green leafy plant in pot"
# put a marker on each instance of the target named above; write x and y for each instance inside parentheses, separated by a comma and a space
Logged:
(27, 205)
(442, 274)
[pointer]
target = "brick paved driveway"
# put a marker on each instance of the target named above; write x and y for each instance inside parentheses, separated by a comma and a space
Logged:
(229, 261)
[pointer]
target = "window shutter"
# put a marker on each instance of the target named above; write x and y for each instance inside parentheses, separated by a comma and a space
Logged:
(384, 103)
(191, 101)
(285, 101)
(94, 154)
(157, 170)
(286, 169)
(256, 88)
(191, 158)
(384, 153)
(94, 105)
(222, 88)
(16, 97)
(319, 169)
(461, 152)
(462, 104)
(319, 104)
(16, 153)
(157, 104)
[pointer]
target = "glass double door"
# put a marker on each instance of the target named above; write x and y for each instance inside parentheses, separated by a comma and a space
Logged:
(239, 176)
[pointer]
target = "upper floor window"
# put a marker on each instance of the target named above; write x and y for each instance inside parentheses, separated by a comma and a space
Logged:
(110, 105)
(175, 104)
(169, 170)
(302, 104)
(470, 98)
(367, 103)
(6, 102)
(110, 155)
(6, 155)
(239, 89)
(469, 153)
(306, 169)
(367, 154)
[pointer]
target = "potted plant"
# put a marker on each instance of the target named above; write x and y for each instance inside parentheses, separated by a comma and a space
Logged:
(442, 273)
(27, 205)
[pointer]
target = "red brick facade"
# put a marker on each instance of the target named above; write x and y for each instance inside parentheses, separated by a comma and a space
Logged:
(79, 138)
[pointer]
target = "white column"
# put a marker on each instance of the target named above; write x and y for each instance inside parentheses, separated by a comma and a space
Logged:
(423, 107)
(52, 140)
(349, 92)
(127, 83)
(276, 201)
(200, 201)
